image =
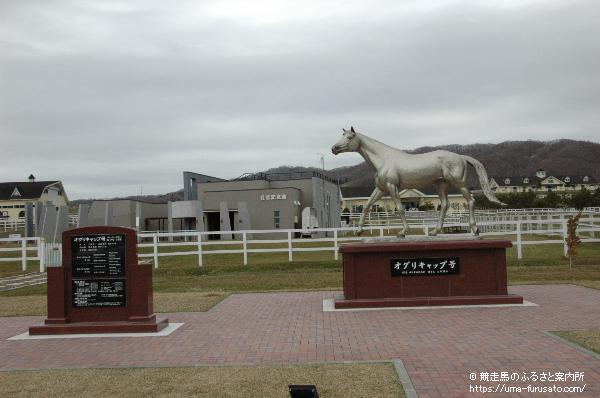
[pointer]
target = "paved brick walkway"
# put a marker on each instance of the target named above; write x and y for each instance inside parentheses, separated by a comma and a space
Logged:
(439, 348)
(15, 282)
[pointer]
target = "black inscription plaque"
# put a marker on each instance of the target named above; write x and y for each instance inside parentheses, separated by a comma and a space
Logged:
(98, 255)
(99, 293)
(425, 266)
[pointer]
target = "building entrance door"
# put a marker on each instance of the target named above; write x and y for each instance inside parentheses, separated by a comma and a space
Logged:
(213, 221)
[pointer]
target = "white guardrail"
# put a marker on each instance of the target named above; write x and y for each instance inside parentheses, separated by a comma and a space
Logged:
(201, 245)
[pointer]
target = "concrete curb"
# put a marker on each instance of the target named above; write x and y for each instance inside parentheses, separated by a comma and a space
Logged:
(407, 385)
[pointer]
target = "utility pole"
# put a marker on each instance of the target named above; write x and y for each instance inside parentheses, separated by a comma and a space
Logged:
(325, 204)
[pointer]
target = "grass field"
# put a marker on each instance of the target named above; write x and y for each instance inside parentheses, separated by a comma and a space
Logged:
(224, 274)
(589, 339)
(335, 380)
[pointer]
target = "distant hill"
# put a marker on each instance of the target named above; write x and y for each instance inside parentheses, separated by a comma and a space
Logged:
(171, 196)
(509, 158)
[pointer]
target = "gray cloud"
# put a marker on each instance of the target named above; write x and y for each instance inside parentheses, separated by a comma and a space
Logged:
(110, 96)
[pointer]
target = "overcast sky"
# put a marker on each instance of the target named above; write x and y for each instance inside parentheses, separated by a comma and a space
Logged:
(110, 96)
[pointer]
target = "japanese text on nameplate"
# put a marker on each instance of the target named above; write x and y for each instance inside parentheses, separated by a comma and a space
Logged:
(425, 266)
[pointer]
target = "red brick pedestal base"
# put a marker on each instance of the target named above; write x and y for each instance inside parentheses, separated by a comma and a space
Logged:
(407, 273)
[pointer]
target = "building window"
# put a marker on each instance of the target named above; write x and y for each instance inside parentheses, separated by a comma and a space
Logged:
(357, 208)
(507, 181)
(276, 219)
(586, 179)
(567, 179)
(525, 180)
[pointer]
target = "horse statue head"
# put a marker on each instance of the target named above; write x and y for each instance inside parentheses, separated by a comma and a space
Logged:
(349, 142)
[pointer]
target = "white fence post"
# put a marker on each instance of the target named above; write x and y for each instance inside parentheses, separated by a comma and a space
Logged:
(245, 247)
(336, 249)
(519, 243)
(290, 251)
(41, 253)
(24, 254)
(199, 236)
(381, 231)
(565, 246)
(155, 249)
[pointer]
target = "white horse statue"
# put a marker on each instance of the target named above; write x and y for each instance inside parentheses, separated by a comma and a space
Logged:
(396, 170)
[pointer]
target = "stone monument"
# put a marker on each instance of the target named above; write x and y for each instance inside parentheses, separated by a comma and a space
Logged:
(100, 287)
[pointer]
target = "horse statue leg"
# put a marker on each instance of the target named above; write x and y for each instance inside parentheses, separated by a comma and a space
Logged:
(443, 194)
(375, 196)
(471, 201)
(395, 194)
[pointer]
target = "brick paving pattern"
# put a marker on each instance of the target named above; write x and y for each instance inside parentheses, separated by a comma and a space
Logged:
(439, 348)
(15, 282)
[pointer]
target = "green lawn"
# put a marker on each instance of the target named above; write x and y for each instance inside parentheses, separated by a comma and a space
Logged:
(589, 339)
(224, 274)
(335, 380)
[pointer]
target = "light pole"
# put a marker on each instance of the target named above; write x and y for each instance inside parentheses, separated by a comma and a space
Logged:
(325, 205)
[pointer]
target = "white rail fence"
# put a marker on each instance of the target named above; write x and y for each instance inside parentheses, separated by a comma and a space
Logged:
(7, 225)
(200, 244)
(198, 241)
(23, 247)
(488, 220)
(14, 225)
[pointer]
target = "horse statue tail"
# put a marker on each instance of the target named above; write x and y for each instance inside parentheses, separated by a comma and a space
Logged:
(483, 179)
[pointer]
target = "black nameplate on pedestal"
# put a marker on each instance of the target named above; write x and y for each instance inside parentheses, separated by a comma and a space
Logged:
(98, 256)
(99, 293)
(425, 266)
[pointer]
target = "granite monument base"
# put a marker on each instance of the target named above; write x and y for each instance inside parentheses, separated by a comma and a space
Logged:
(425, 272)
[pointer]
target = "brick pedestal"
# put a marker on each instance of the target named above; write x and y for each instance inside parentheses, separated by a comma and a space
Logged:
(405, 273)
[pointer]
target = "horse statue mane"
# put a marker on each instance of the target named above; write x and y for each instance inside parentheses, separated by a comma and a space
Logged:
(396, 170)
